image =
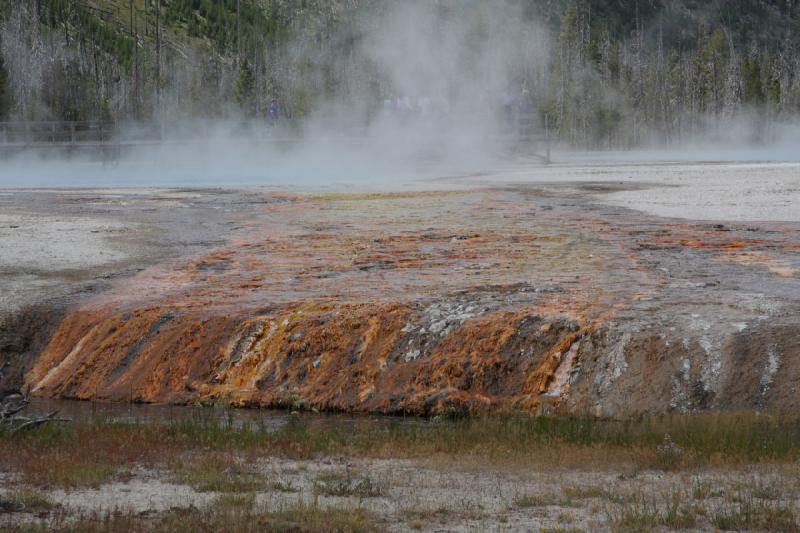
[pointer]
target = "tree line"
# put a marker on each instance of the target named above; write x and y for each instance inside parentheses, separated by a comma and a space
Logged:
(618, 74)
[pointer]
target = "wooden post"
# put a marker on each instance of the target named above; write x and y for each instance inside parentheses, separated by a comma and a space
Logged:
(547, 138)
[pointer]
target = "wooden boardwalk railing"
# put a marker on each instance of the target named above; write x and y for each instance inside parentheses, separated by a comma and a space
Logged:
(31, 134)
(108, 138)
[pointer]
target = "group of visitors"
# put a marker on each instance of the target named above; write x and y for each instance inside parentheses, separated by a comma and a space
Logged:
(405, 106)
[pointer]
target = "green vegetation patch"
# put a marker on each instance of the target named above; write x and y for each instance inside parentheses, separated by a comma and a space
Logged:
(218, 474)
(91, 453)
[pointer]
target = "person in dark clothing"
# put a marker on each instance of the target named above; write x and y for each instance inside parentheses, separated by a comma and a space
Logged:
(274, 112)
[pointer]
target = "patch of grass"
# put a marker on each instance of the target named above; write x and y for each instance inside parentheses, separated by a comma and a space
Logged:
(69, 474)
(232, 514)
(635, 517)
(767, 490)
(234, 501)
(298, 517)
(90, 453)
(645, 514)
(591, 492)
(116, 521)
(678, 514)
(754, 514)
(346, 483)
(217, 474)
(282, 486)
(25, 500)
(524, 501)
(704, 489)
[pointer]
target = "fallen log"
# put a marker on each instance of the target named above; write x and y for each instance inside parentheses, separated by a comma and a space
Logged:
(15, 402)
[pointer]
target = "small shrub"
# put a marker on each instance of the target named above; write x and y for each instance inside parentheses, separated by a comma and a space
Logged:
(669, 455)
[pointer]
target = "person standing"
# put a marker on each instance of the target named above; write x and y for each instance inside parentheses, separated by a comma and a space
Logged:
(273, 112)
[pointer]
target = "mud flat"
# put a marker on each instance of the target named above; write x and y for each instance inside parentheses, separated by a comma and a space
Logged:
(515, 291)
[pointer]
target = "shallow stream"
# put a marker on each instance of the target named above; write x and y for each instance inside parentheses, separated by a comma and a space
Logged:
(268, 419)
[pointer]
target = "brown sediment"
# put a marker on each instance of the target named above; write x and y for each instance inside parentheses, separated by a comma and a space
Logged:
(426, 303)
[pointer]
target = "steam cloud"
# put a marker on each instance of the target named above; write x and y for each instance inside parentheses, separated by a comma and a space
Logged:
(444, 75)
(444, 78)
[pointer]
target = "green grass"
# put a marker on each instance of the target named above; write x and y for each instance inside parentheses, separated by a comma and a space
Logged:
(91, 453)
(69, 474)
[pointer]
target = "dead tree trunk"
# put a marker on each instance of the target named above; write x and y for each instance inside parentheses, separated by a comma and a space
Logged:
(13, 404)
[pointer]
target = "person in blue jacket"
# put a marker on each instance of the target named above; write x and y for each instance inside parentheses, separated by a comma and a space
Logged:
(274, 112)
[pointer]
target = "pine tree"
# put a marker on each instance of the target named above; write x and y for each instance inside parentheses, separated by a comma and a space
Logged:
(751, 77)
(774, 95)
(3, 89)
(245, 93)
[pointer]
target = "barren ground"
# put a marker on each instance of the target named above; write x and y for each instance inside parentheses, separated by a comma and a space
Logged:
(417, 496)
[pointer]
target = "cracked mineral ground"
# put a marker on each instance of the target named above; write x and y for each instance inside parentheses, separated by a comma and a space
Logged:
(614, 290)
